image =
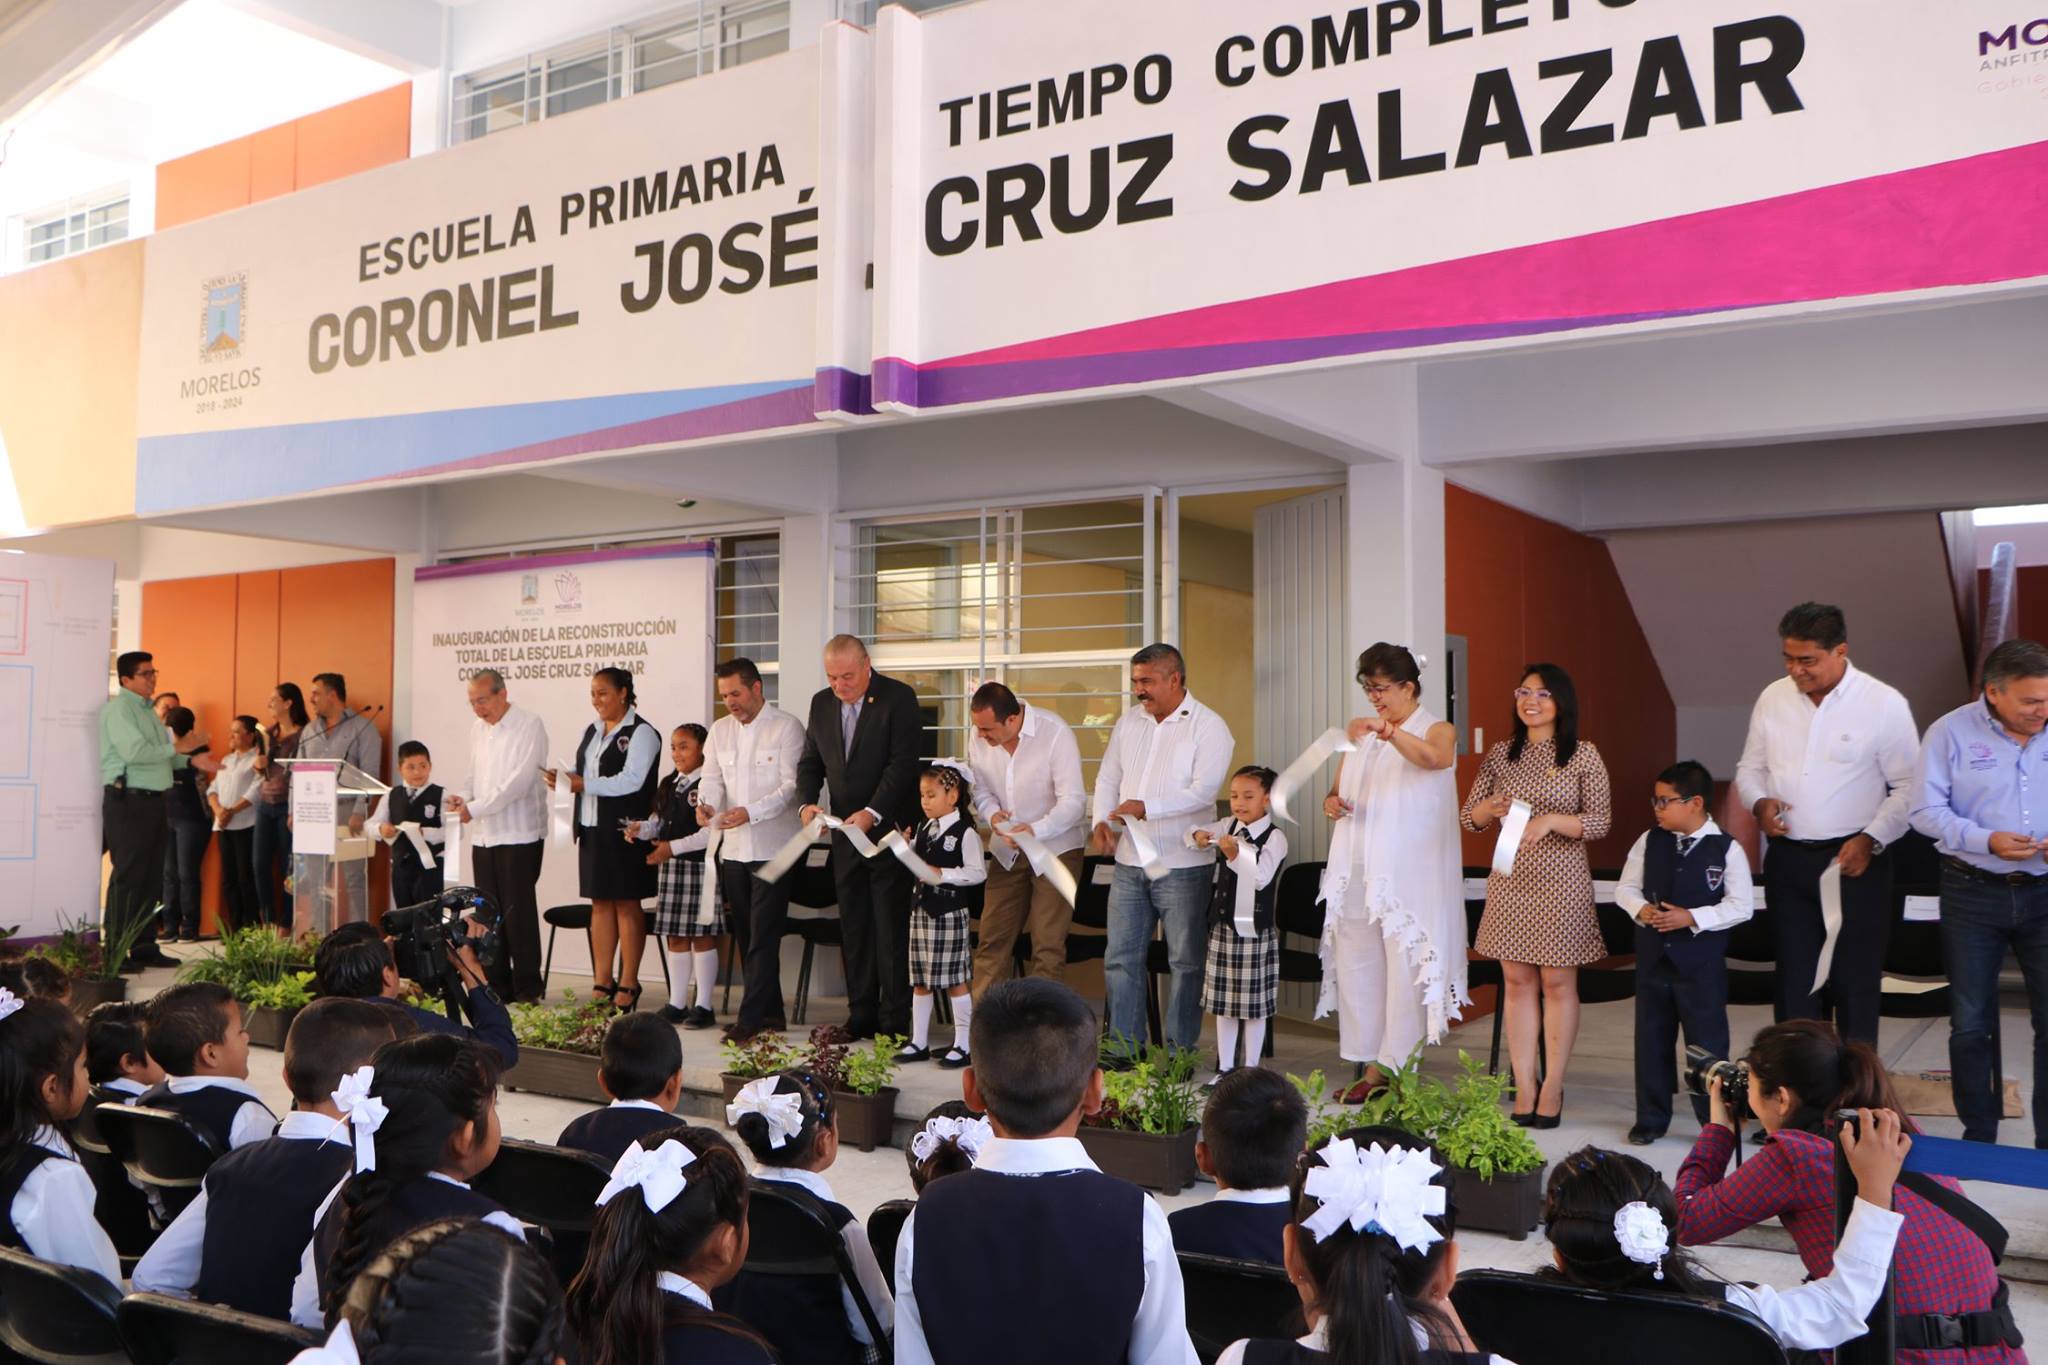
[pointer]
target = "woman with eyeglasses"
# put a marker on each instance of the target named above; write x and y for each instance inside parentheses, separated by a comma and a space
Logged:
(1393, 945)
(1539, 921)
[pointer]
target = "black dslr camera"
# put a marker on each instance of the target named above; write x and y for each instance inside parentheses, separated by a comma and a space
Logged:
(1703, 1068)
(423, 936)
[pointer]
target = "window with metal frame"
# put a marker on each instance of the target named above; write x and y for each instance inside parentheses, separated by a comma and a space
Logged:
(77, 226)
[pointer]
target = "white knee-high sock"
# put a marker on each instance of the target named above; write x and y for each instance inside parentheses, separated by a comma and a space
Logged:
(707, 976)
(963, 1011)
(679, 979)
(1226, 1042)
(920, 1020)
(1254, 1041)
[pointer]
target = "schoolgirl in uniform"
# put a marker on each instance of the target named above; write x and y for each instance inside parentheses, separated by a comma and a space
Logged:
(941, 956)
(46, 1197)
(689, 928)
(1242, 983)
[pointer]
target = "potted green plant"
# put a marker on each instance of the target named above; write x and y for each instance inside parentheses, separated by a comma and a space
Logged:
(93, 955)
(269, 972)
(559, 1047)
(762, 1055)
(1496, 1168)
(859, 1080)
(269, 1007)
(1151, 1114)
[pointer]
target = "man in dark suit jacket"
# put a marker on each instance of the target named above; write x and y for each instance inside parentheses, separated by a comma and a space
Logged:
(862, 744)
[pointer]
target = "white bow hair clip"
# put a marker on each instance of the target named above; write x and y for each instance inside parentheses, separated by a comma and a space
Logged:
(10, 1003)
(338, 1349)
(363, 1112)
(1643, 1237)
(969, 1134)
(1380, 1189)
(785, 1113)
(659, 1175)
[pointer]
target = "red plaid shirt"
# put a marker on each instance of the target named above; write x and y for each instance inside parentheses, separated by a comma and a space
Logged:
(1940, 1266)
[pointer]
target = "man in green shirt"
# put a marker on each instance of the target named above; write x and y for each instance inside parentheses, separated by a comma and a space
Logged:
(137, 757)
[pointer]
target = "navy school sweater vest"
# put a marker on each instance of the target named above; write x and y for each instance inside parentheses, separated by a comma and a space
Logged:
(1689, 882)
(1271, 1352)
(260, 1202)
(941, 851)
(424, 808)
(608, 1132)
(1223, 895)
(691, 1335)
(413, 1204)
(985, 1243)
(211, 1108)
(609, 760)
(1225, 1227)
(18, 1167)
(803, 1317)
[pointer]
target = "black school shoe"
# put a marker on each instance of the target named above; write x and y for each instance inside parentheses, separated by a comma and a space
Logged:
(1642, 1135)
(698, 1017)
(907, 1053)
(953, 1058)
(670, 1014)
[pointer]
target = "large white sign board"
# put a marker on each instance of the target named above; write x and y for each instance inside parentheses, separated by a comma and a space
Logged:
(547, 624)
(56, 616)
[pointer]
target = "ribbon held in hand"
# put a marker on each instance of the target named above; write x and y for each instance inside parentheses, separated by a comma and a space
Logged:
(776, 868)
(562, 807)
(1045, 863)
(1331, 741)
(1149, 861)
(1512, 826)
(784, 1113)
(659, 1175)
(418, 838)
(905, 854)
(451, 851)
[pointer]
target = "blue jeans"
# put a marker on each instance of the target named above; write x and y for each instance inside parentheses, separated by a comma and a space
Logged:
(1980, 921)
(1179, 900)
(271, 846)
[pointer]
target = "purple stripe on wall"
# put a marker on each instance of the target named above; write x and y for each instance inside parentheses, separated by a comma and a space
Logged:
(682, 549)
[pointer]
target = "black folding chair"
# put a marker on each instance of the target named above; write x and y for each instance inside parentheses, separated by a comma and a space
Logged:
(1091, 912)
(794, 1256)
(1484, 971)
(1232, 1300)
(1598, 984)
(166, 1152)
(814, 889)
(1754, 944)
(885, 1229)
(1913, 947)
(548, 1187)
(118, 1206)
(1297, 913)
(1533, 1320)
(160, 1330)
(576, 918)
(57, 1314)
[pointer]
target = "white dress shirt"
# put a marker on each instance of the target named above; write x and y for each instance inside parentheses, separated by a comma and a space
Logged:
(253, 1121)
(643, 755)
(1175, 766)
(668, 1282)
(973, 869)
(1159, 1332)
(1829, 1311)
(238, 780)
(1039, 785)
(1271, 855)
(122, 1085)
(1273, 1194)
(1738, 892)
(306, 1286)
(754, 765)
(866, 1269)
(508, 802)
(1843, 767)
(171, 1265)
(53, 1212)
(1318, 1339)
(433, 834)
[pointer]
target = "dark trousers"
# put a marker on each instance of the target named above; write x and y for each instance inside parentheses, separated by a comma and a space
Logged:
(874, 918)
(507, 873)
(1792, 886)
(757, 912)
(137, 827)
(1980, 921)
(238, 876)
(412, 882)
(184, 853)
(271, 844)
(1665, 999)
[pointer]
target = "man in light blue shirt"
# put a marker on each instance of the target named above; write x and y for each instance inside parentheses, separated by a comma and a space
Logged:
(1982, 796)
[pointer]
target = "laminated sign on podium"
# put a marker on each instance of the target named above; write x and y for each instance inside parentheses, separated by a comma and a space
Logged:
(331, 800)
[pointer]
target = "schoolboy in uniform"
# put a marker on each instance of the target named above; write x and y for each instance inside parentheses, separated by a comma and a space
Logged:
(195, 1032)
(1253, 1127)
(417, 799)
(118, 1064)
(641, 1068)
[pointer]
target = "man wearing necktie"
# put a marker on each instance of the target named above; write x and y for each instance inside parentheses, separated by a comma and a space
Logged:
(861, 755)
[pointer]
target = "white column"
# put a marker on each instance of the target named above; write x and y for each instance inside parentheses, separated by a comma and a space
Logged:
(806, 613)
(1394, 540)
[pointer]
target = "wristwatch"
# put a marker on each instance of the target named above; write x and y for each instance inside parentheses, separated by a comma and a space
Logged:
(1876, 844)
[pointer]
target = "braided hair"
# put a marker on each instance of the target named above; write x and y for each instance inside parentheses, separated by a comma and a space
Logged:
(955, 780)
(617, 1309)
(1585, 1192)
(434, 1085)
(457, 1292)
(801, 1150)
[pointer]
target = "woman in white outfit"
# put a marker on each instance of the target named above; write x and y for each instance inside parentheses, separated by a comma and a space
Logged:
(1393, 945)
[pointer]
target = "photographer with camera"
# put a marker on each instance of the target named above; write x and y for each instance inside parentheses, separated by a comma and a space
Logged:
(1952, 1307)
(357, 962)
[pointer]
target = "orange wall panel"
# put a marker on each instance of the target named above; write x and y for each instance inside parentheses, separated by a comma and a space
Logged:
(358, 136)
(273, 162)
(189, 625)
(209, 181)
(256, 644)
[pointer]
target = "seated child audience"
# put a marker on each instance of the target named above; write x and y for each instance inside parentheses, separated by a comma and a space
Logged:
(1035, 1225)
(671, 1231)
(195, 1032)
(238, 1241)
(952, 1138)
(46, 1197)
(788, 1123)
(1253, 1128)
(120, 1068)
(641, 1068)
(1241, 984)
(1373, 1253)
(46, 979)
(1610, 1219)
(454, 1292)
(427, 1125)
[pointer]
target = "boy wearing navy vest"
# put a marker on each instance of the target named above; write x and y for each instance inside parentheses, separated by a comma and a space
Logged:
(416, 799)
(195, 1031)
(118, 1064)
(1253, 1127)
(1035, 1223)
(238, 1242)
(641, 1068)
(1685, 885)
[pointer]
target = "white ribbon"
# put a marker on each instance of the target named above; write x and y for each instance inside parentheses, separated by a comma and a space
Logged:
(1244, 914)
(451, 851)
(785, 1113)
(339, 1349)
(1642, 1235)
(1831, 922)
(707, 894)
(1045, 863)
(1382, 1190)
(562, 806)
(418, 837)
(1331, 741)
(968, 1134)
(1149, 860)
(659, 1175)
(776, 868)
(363, 1112)
(905, 854)
(10, 1003)
(1512, 826)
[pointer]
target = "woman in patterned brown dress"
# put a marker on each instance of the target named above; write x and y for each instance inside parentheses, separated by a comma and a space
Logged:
(1539, 921)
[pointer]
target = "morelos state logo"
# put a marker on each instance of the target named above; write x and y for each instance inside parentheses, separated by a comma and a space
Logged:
(529, 590)
(568, 589)
(224, 317)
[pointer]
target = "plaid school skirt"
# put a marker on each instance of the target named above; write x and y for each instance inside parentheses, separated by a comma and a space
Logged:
(939, 951)
(1243, 976)
(678, 906)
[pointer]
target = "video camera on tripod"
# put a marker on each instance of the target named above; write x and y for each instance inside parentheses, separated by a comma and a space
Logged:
(425, 937)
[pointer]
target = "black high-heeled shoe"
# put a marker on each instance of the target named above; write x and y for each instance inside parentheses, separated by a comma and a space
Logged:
(609, 990)
(632, 999)
(1549, 1120)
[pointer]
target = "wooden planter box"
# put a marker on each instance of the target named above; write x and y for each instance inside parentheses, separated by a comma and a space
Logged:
(866, 1121)
(267, 1027)
(731, 1084)
(566, 1075)
(87, 991)
(1510, 1204)
(1155, 1161)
